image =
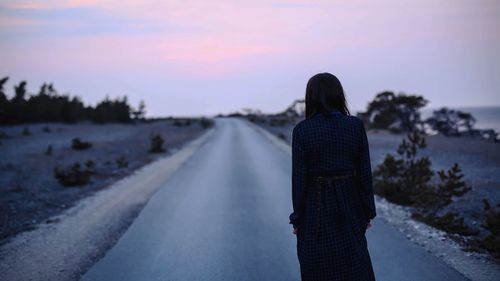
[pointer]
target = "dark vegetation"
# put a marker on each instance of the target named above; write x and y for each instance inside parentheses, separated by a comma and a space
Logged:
(49, 106)
(121, 162)
(157, 142)
(78, 144)
(206, 123)
(492, 223)
(396, 112)
(48, 151)
(73, 175)
(409, 180)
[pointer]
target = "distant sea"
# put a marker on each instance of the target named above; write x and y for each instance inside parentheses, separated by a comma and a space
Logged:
(487, 117)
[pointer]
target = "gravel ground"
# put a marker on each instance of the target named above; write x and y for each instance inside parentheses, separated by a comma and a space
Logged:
(83, 234)
(29, 193)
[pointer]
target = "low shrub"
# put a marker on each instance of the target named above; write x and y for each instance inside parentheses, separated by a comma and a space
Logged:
(121, 162)
(278, 122)
(73, 175)
(206, 123)
(78, 144)
(406, 179)
(403, 178)
(26, 132)
(492, 224)
(157, 142)
(182, 122)
(48, 151)
(89, 164)
(450, 222)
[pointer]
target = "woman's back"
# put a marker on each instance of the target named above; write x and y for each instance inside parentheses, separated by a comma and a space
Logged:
(331, 142)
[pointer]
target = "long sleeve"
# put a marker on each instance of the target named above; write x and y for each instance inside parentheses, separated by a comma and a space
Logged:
(364, 174)
(298, 179)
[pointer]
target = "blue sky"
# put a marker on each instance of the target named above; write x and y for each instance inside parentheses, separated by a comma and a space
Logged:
(206, 57)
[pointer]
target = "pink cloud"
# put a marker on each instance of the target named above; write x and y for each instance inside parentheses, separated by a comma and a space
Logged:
(15, 22)
(210, 50)
(26, 5)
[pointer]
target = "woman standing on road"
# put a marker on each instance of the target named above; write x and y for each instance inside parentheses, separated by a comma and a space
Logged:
(332, 192)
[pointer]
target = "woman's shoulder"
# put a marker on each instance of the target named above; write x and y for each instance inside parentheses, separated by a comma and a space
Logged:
(315, 122)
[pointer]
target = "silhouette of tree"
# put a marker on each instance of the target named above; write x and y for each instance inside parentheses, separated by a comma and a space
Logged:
(399, 113)
(140, 113)
(4, 102)
(451, 122)
(49, 106)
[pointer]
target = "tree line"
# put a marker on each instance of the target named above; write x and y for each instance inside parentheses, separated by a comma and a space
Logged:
(49, 106)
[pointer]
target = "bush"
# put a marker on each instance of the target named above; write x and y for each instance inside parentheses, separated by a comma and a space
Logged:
(206, 123)
(121, 162)
(278, 122)
(89, 164)
(78, 144)
(492, 223)
(48, 151)
(182, 122)
(73, 175)
(406, 180)
(26, 132)
(157, 142)
(450, 222)
(403, 179)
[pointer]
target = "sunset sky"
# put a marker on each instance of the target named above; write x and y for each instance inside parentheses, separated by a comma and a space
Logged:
(205, 57)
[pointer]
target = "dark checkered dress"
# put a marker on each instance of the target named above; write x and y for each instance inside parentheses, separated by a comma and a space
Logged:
(332, 216)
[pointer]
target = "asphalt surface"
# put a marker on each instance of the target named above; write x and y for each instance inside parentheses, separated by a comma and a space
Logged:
(224, 216)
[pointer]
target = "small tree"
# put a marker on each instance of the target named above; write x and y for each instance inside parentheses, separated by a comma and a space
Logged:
(404, 178)
(140, 113)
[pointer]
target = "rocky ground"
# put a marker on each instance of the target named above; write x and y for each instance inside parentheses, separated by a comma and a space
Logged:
(29, 192)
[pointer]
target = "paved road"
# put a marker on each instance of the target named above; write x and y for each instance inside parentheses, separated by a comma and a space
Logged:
(223, 216)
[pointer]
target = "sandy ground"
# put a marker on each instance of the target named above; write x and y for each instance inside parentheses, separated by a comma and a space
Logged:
(475, 266)
(84, 232)
(29, 192)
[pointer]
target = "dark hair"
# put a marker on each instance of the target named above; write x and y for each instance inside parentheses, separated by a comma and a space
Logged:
(323, 94)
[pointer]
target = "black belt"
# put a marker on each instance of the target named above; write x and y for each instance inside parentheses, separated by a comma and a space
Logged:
(338, 213)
